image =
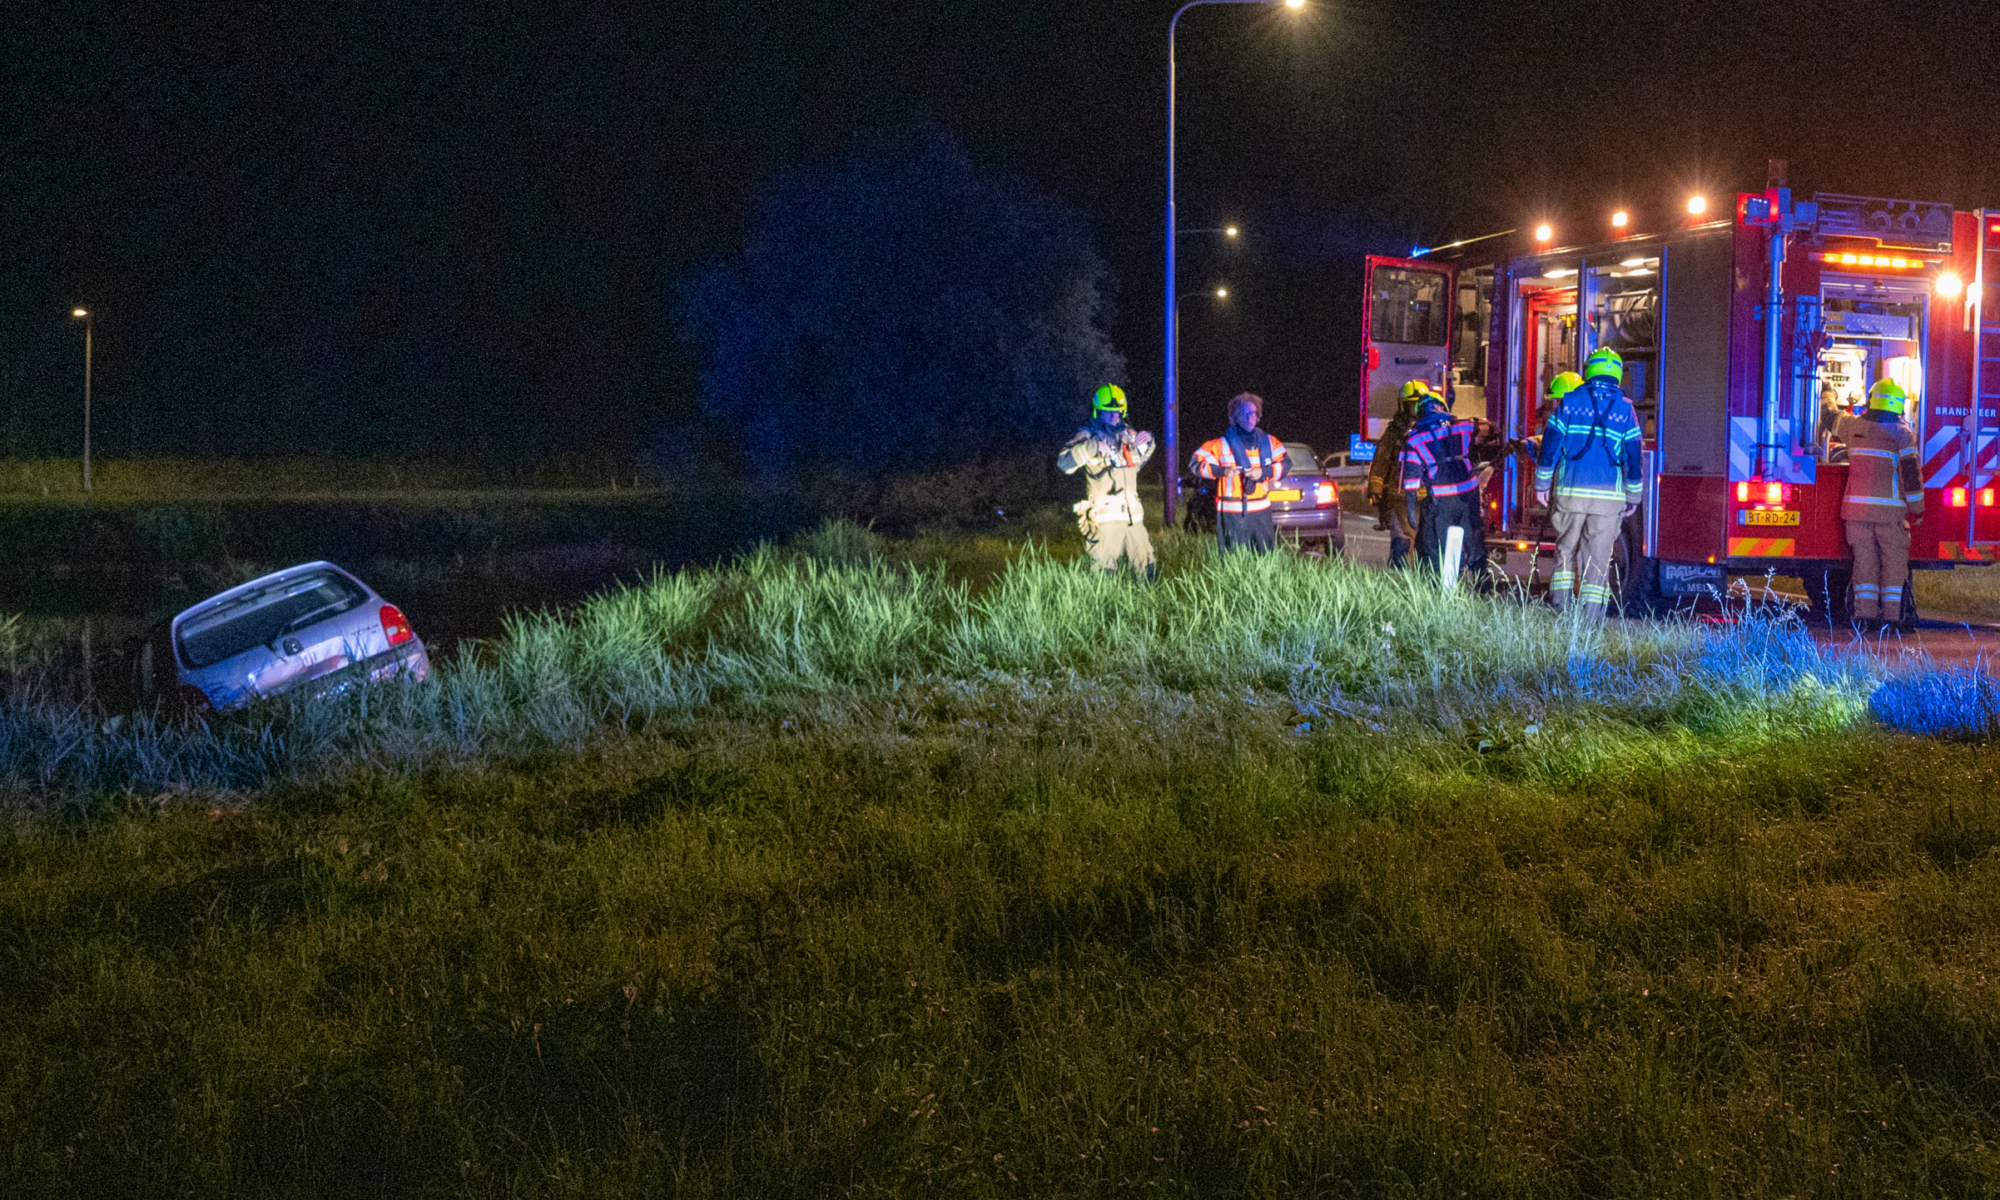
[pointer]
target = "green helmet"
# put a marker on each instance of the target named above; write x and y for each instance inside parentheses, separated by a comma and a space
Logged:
(1562, 385)
(1414, 390)
(1109, 398)
(1604, 363)
(1888, 396)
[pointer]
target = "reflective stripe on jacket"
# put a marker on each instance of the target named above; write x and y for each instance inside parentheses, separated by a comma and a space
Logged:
(1260, 450)
(1591, 448)
(1881, 469)
(1110, 460)
(1435, 453)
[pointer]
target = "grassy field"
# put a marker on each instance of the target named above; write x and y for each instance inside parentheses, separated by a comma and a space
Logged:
(945, 869)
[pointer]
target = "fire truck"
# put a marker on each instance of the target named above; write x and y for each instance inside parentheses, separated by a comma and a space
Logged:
(1743, 340)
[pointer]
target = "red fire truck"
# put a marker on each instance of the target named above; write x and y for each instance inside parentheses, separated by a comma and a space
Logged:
(1743, 339)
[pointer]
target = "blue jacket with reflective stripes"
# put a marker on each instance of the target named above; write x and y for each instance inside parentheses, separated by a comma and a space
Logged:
(1591, 449)
(1435, 452)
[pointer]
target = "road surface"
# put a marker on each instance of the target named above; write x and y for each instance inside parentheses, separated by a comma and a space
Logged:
(1947, 641)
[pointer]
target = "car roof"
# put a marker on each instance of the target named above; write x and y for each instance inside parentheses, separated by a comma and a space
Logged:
(263, 582)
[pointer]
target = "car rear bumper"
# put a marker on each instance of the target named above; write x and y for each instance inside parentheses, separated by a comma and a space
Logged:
(410, 662)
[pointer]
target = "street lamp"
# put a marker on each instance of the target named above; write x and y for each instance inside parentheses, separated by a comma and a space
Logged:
(85, 314)
(1172, 390)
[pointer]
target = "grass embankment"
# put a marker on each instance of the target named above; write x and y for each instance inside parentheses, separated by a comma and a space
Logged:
(826, 876)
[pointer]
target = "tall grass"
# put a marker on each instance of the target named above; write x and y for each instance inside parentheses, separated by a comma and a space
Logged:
(824, 872)
(837, 618)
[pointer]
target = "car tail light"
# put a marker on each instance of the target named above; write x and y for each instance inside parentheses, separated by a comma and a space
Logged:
(394, 626)
(1323, 495)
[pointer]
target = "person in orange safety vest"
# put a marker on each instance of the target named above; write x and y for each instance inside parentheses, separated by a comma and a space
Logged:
(1245, 461)
(1885, 494)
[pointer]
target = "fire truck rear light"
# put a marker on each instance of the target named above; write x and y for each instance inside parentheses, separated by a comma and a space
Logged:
(1520, 545)
(1958, 497)
(1986, 497)
(394, 626)
(1742, 493)
(1774, 493)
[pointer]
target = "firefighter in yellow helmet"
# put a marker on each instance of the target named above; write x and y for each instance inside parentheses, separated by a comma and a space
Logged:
(1589, 472)
(1385, 473)
(1110, 452)
(1885, 493)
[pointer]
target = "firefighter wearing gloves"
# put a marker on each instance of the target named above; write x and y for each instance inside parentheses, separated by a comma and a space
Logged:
(1590, 473)
(1245, 461)
(1885, 491)
(1110, 452)
(1436, 454)
(1385, 474)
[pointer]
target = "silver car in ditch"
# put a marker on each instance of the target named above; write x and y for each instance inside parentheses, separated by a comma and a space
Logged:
(312, 626)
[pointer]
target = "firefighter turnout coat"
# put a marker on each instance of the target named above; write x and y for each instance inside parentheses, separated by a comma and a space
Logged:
(1884, 487)
(1110, 516)
(1247, 452)
(1590, 458)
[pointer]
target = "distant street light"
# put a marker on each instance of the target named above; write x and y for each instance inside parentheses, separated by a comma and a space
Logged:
(1619, 218)
(84, 313)
(1543, 233)
(1172, 397)
(1697, 205)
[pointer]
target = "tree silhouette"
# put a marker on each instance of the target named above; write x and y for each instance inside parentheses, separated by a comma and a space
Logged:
(902, 311)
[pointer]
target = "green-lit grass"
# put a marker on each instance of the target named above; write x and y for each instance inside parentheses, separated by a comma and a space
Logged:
(1963, 592)
(948, 868)
(1023, 941)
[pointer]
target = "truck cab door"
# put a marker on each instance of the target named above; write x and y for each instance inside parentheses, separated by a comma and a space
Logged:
(1406, 325)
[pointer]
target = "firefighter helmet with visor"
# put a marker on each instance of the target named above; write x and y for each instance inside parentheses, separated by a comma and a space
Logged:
(1562, 385)
(1888, 396)
(1109, 398)
(1605, 364)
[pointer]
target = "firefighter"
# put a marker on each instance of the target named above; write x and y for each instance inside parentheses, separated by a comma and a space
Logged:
(1436, 455)
(1562, 385)
(1245, 461)
(1385, 474)
(1885, 492)
(1589, 465)
(1110, 452)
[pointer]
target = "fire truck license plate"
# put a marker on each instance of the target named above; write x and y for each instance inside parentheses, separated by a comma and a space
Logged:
(1770, 518)
(1284, 493)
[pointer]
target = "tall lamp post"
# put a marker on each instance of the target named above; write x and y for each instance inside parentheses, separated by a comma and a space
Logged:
(1172, 390)
(85, 314)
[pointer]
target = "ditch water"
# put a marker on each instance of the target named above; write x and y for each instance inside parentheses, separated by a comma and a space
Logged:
(79, 587)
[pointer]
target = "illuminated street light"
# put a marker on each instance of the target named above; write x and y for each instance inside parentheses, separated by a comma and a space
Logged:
(1697, 205)
(1223, 293)
(1619, 218)
(1229, 232)
(87, 320)
(1172, 390)
(1543, 233)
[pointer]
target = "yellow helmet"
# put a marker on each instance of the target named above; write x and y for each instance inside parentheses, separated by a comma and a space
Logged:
(1888, 396)
(1562, 385)
(1416, 389)
(1109, 398)
(1605, 363)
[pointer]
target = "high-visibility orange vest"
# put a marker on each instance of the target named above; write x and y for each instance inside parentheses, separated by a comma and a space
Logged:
(1261, 450)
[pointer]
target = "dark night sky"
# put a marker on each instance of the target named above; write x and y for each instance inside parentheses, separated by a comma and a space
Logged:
(459, 228)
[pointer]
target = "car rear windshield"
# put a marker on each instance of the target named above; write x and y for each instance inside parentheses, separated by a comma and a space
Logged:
(1299, 459)
(262, 617)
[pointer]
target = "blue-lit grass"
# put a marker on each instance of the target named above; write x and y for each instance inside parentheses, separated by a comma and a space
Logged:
(840, 616)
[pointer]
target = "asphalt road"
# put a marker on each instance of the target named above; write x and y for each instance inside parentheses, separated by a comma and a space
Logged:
(1942, 640)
